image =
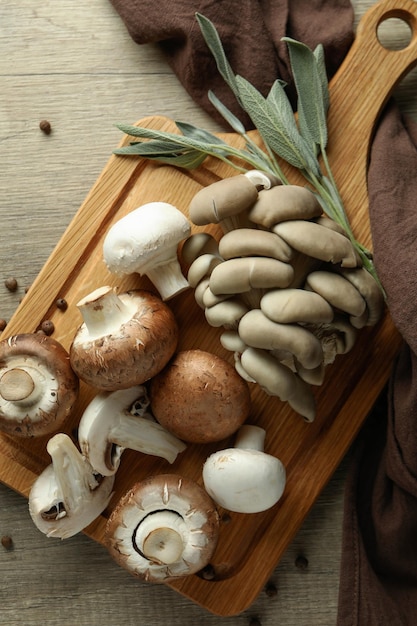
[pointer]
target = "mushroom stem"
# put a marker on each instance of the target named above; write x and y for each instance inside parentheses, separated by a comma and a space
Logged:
(250, 437)
(159, 537)
(74, 476)
(166, 275)
(16, 385)
(143, 435)
(103, 312)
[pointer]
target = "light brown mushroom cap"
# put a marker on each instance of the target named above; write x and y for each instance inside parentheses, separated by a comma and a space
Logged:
(318, 241)
(282, 203)
(278, 380)
(368, 288)
(252, 242)
(133, 352)
(337, 290)
(38, 388)
(257, 331)
(131, 526)
(243, 274)
(223, 199)
(287, 306)
(199, 397)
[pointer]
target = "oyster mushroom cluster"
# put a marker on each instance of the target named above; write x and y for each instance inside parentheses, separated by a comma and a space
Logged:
(284, 282)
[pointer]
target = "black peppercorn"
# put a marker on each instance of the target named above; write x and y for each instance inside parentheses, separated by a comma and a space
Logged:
(11, 283)
(61, 304)
(45, 127)
(301, 562)
(7, 542)
(47, 327)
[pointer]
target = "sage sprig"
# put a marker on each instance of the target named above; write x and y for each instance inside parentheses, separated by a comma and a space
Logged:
(296, 140)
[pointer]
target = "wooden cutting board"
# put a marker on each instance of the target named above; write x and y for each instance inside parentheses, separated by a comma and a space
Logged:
(250, 546)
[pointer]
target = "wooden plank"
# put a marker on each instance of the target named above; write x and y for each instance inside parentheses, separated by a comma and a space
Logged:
(44, 182)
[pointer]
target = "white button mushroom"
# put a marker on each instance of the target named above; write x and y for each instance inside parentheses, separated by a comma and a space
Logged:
(146, 241)
(107, 428)
(38, 388)
(164, 528)
(124, 340)
(245, 479)
(68, 495)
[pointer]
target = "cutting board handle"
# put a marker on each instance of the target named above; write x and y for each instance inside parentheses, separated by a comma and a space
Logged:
(358, 93)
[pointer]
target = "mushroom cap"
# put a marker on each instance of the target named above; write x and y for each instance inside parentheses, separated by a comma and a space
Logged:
(142, 234)
(41, 361)
(252, 242)
(282, 203)
(240, 275)
(138, 350)
(198, 525)
(222, 199)
(244, 481)
(200, 397)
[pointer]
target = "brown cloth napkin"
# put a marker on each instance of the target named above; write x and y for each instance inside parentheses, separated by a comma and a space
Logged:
(378, 576)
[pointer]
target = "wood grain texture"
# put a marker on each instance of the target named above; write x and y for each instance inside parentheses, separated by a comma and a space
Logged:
(54, 65)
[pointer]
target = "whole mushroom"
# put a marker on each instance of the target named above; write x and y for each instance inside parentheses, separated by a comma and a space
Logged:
(163, 528)
(145, 241)
(245, 479)
(200, 397)
(125, 338)
(69, 494)
(38, 388)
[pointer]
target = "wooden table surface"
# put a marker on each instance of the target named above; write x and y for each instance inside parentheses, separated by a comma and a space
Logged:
(75, 65)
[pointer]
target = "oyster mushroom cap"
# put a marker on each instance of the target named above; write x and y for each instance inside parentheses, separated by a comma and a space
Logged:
(125, 338)
(68, 495)
(38, 388)
(163, 528)
(282, 203)
(245, 479)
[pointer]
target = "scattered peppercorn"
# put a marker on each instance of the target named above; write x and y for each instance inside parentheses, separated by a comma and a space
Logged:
(301, 562)
(7, 542)
(45, 127)
(47, 327)
(61, 304)
(3, 324)
(11, 283)
(226, 518)
(271, 589)
(255, 622)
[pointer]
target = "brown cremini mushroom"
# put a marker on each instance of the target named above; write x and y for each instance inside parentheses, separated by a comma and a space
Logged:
(124, 340)
(38, 387)
(200, 397)
(164, 528)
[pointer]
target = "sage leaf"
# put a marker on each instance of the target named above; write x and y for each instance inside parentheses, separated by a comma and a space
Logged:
(199, 134)
(189, 159)
(213, 41)
(312, 112)
(271, 123)
(229, 117)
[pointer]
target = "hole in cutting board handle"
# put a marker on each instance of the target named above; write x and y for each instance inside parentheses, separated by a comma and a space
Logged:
(394, 33)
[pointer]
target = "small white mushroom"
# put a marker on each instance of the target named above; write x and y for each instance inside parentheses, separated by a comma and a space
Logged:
(69, 494)
(107, 428)
(245, 479)
(125, 338)
(38, 388)
(164, 528)
(146, 241)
